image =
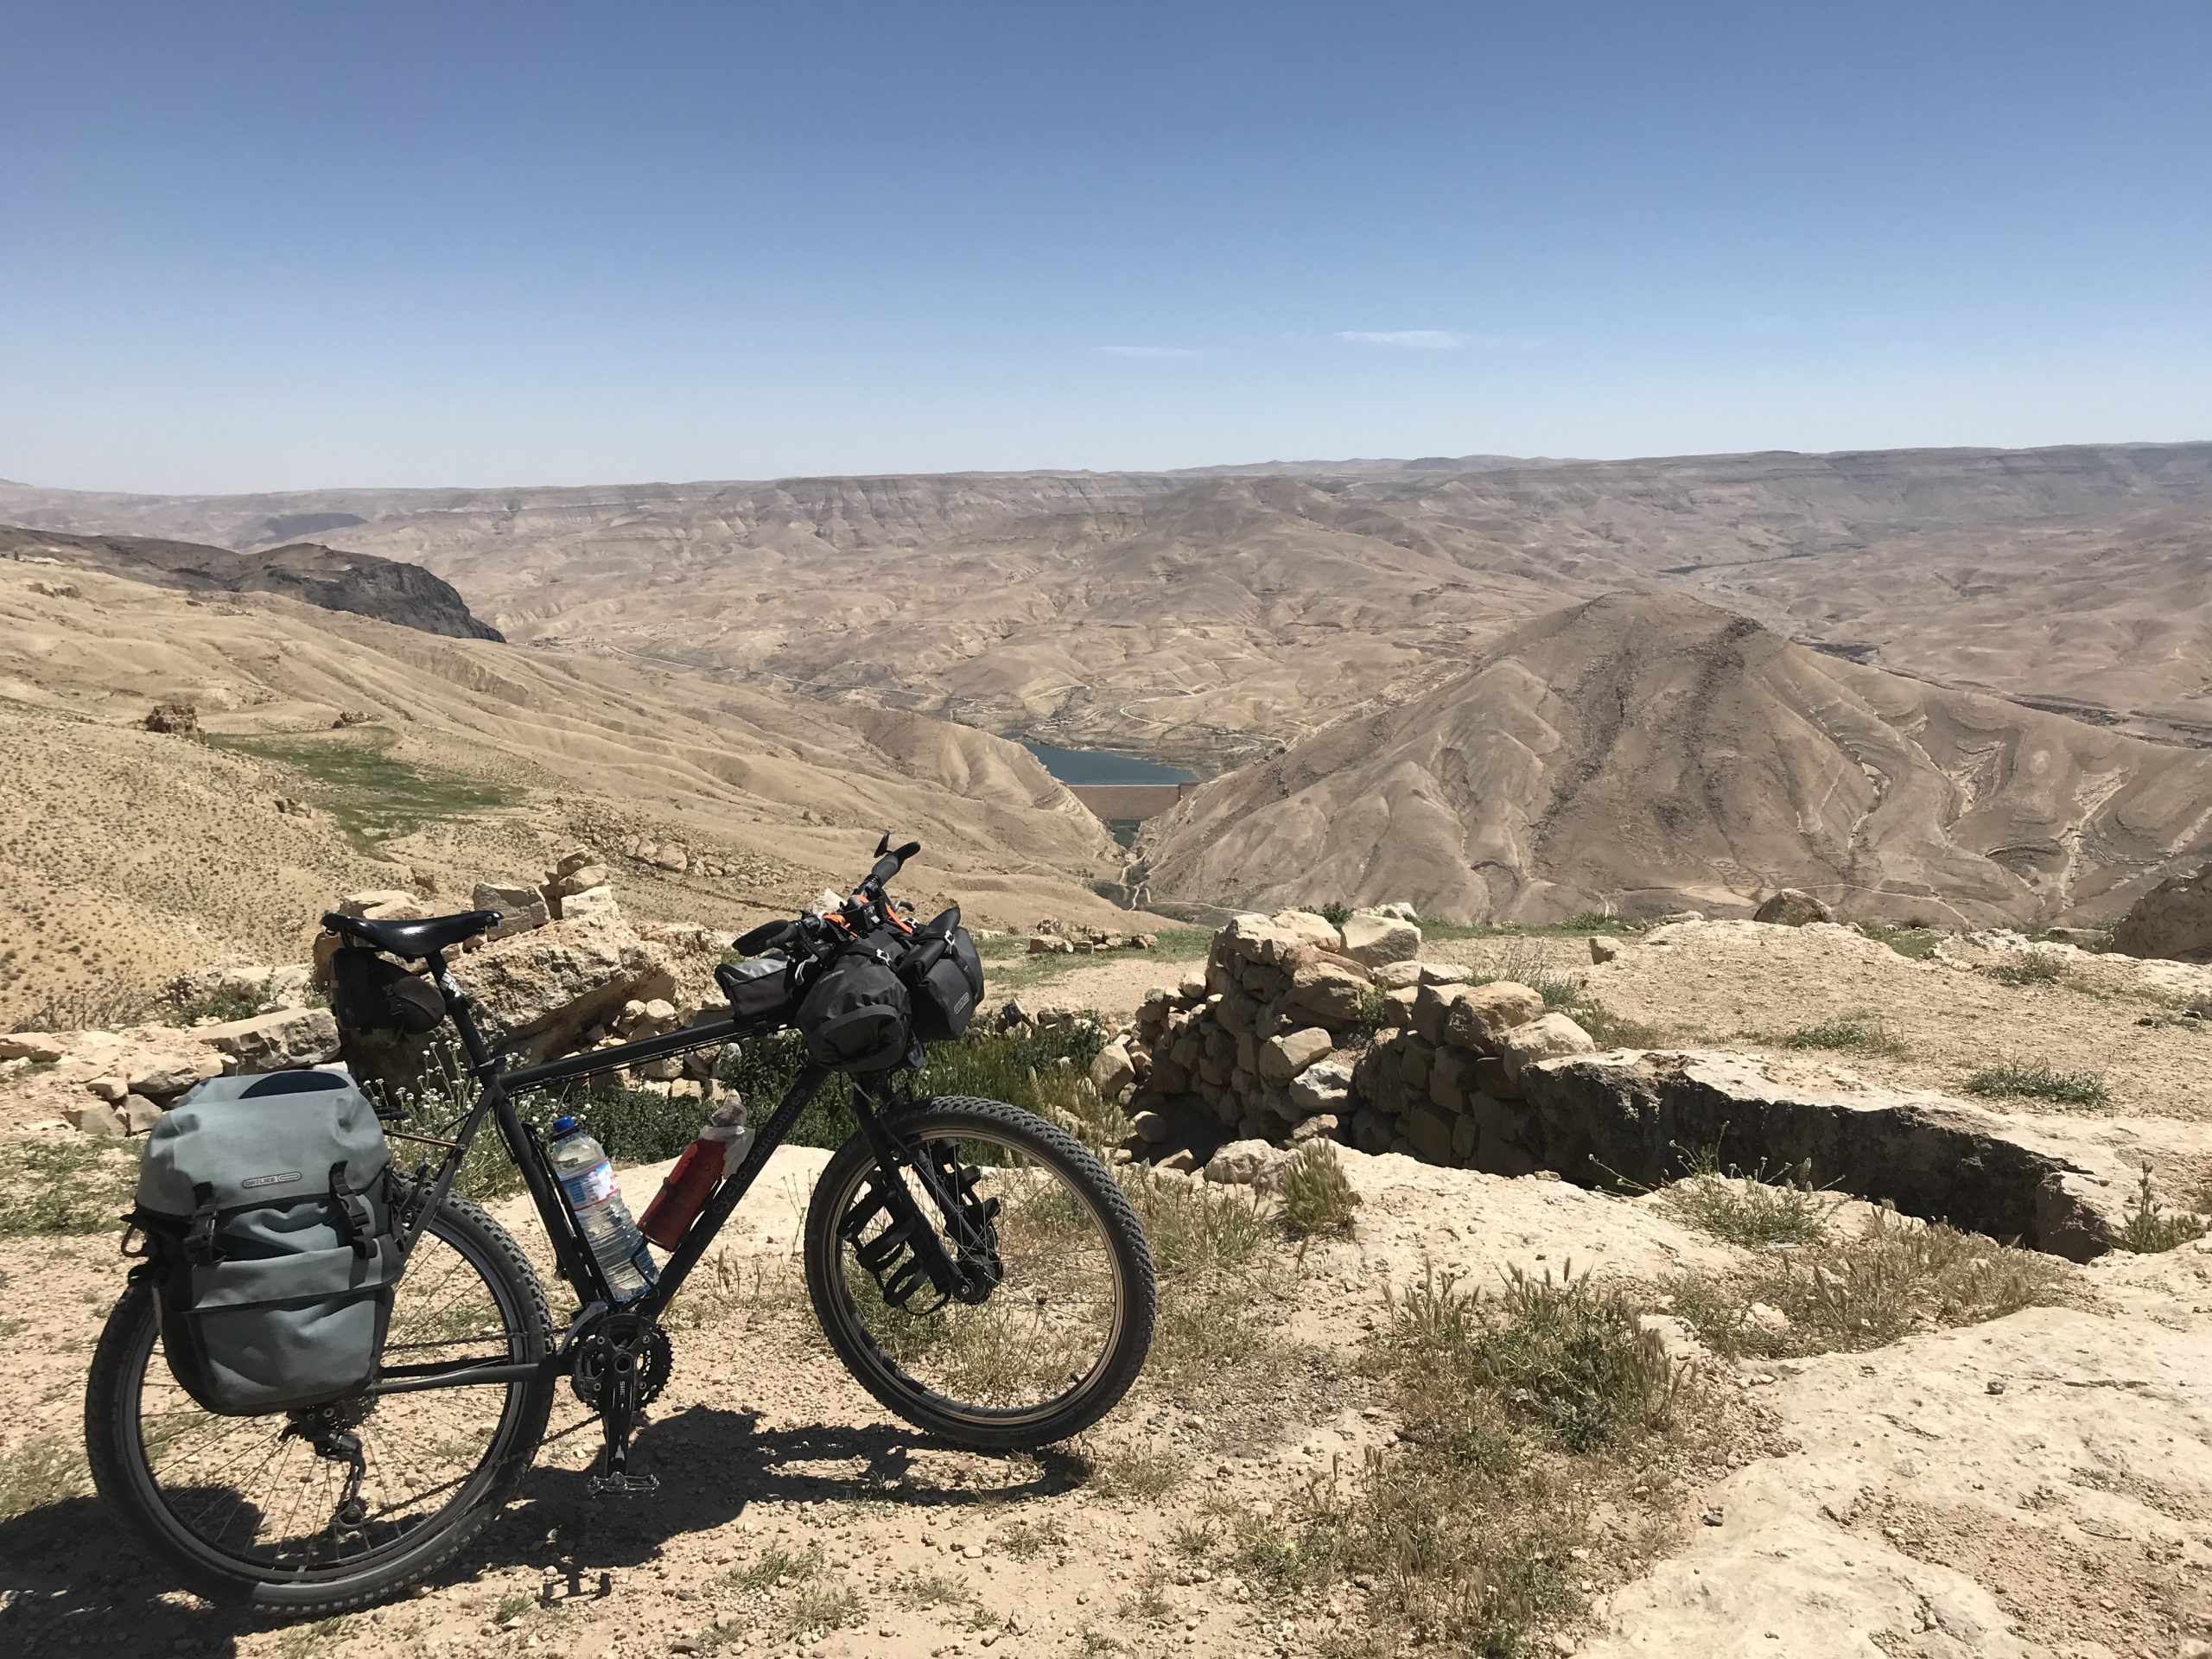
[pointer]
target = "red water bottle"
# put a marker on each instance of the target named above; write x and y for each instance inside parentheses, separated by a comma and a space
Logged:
(720, 1148)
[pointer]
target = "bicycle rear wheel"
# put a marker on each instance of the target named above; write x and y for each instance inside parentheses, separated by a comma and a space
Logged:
(1066, 1331)
(247, 1511)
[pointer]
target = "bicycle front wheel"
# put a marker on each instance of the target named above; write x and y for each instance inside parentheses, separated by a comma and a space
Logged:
(1061, 1336)
(244, 1510)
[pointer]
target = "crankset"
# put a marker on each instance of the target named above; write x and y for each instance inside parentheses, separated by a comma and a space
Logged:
(621, 1367)
(651, 1357)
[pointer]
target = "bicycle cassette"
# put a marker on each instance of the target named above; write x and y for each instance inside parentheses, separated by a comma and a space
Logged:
(648, 1349)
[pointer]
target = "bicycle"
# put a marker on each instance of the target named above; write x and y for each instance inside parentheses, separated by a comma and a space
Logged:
(976, 1269)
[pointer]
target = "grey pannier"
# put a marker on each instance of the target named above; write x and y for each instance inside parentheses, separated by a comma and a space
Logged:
(270, 1243)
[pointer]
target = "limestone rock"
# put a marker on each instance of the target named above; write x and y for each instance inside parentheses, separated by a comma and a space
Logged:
(381, 904)
(165, 1077)
(1324, 1086)
(1603, 950)
(592, 901)
(1445, 973)
(33, 1045)
(1432, 1005)
(1152, 1127)
(277, 1042)
(1113, 1071)
(582, 878)
(1244, 1163)
(1327, 990)
(1792, 907)
(1283, 1058)
(1313, 929)
(2172, 919)
(96, 1118)
(1372, 938)
(521, 906)
(1481, 1014)
(1396, 976)
(139, 1114)
(1548, 1037)
(176, 718)
(542, 991)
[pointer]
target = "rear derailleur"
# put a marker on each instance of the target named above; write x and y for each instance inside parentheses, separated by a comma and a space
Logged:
(328, 1431)
(622, 1365)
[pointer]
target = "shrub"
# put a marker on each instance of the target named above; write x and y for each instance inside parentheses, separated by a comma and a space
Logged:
(2029, 968)
(1316, 1196)
(2151, 1228)
(1756, 1211)
(2016, 1080)
(1852, 1033)
(1335, 914)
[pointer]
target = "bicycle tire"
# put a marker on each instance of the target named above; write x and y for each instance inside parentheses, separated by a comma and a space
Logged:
(946, 1117)
(115, 1450)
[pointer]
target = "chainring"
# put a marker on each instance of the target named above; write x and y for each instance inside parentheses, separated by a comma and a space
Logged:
(656, 1357)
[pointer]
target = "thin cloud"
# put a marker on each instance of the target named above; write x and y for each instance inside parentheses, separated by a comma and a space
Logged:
(1434, 340)
(1146, 350)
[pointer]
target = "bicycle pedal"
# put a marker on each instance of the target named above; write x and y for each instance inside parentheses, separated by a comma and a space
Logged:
(623, 1485)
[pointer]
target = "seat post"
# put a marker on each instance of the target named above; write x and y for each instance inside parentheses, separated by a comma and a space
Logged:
(457, 1008)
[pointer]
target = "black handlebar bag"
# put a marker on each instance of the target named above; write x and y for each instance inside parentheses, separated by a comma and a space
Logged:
(270, 1242)
(944, 973)
(854, 1014)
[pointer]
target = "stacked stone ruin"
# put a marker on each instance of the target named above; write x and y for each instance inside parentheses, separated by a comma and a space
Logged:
(1298, 1027)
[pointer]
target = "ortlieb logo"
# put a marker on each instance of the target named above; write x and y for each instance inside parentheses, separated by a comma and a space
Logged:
(271, 1180)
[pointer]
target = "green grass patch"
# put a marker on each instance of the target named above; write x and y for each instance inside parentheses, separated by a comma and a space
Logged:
(1850, 1034)
(76, 1186)
(2027, 1080)
(1756, 1210)
(2024, 967)
(1913, 941)
(372, 794)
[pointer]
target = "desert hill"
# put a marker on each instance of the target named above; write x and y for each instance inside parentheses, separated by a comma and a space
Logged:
(1656, 751)
(388, 590)
(1213, 616)
(132, 855)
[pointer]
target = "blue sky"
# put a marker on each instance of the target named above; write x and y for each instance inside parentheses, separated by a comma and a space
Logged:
(283, 245)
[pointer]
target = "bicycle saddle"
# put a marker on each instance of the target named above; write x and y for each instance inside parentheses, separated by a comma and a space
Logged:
(415, 938)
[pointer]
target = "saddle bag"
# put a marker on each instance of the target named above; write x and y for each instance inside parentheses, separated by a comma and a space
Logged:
(944, 976)
(270, 1242)
(371, 993)
(855, 1015)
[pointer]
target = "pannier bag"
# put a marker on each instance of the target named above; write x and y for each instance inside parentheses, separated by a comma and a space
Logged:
(945, 974)
(856, 1015)
(758, 989)
(369, 992)
(271, 1240)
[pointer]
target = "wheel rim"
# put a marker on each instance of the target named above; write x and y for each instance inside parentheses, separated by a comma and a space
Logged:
(240, 1494)
(1045, 1333)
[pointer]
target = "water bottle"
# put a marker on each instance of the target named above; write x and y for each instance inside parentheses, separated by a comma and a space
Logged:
(587, 1183)
(719, 1150)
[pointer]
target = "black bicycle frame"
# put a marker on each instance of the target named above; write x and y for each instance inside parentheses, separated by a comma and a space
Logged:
(495, 1100)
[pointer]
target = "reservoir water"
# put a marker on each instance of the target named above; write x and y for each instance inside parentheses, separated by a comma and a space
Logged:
(1103, 765)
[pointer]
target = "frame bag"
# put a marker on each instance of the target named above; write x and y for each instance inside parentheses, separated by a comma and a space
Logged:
(271, 1246)
(856, 1015)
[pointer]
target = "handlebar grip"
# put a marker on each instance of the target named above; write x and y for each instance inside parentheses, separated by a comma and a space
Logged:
(766, 937)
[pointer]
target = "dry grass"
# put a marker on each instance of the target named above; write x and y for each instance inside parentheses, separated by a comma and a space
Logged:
(2151, 1228)
(1517, 1405)
(38, 1473)
(1316, 1196)
(1858, 1032)
(1896, 1276)
(1756, 1210)
(2029, 968)
(64, 1186)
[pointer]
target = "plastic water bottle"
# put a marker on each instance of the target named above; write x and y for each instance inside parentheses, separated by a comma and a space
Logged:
(706, 1163)
(587, 1183)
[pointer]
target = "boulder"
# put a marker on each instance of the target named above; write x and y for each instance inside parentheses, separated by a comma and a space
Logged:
(1445, 973)
(1113, 1071)
(1548, 1037)
(381, 904)
(1328, 991)
(1396, 976)
(2173, 919)
(176, 718)
(1432, 1004)
(1258, 938)
(139, 1114)
(1150, 1128)
(541, 992)
(1245, 1163)
(277, 1041)
(1792, 907)
(1283, 1058)
(96, 1118)
(1313, 929)
(571, 863)
(164, 1076)
(1372, 938)
(1430, 1133)
(1603, 950)
(520, 905)
(592, 901)
(1324, 1086)
(33, 1045)
(1481, 1014)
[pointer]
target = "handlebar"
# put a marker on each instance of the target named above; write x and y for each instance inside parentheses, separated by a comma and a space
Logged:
(807, 930)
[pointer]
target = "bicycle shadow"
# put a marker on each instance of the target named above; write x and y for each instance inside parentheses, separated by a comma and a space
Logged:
(67, 1578)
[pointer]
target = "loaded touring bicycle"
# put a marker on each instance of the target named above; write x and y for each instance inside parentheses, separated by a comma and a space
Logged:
(326, 1375)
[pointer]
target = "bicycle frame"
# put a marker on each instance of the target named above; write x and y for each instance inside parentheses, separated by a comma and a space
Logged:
(495, 1101)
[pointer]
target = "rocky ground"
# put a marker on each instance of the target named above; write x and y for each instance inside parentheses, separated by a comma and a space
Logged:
(1876, 1436)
